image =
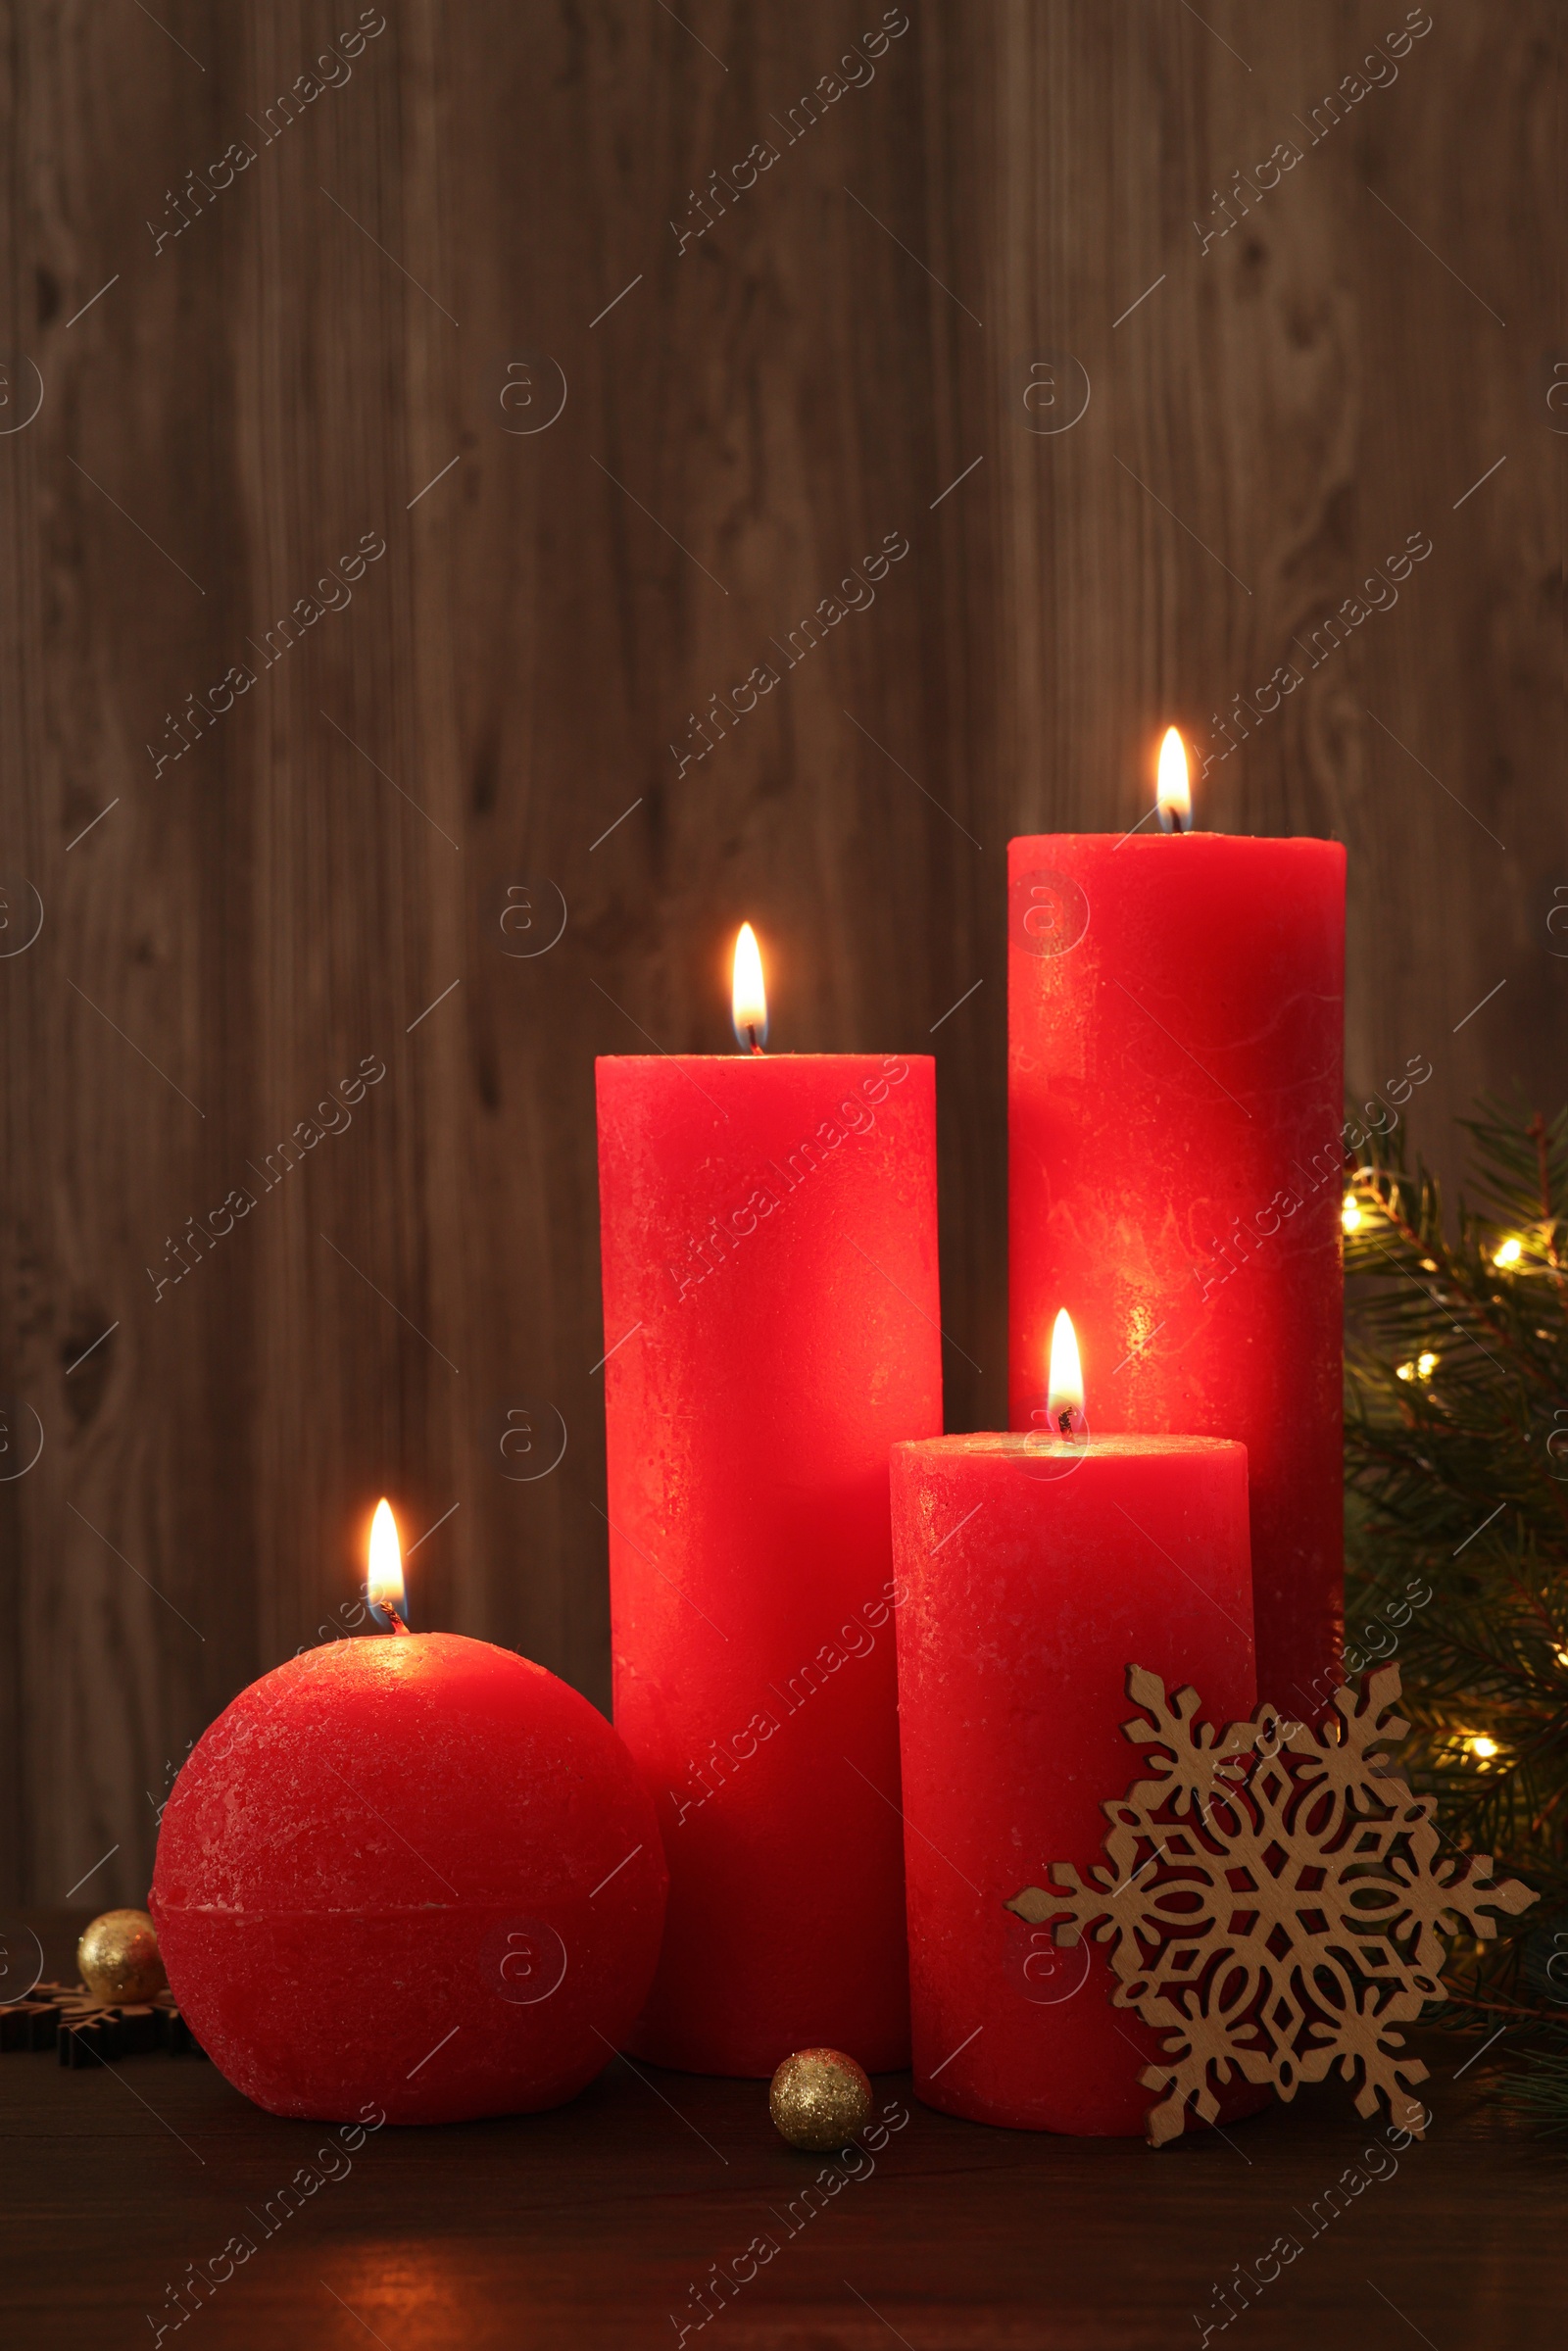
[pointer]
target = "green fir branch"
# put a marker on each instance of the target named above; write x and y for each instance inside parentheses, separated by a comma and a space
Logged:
(1456, 1477)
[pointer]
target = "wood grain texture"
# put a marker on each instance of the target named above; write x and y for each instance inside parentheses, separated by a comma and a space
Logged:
(596, 2221)
(761, 405)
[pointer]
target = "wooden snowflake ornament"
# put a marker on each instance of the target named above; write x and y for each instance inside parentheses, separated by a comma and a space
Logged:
(1275, 1901)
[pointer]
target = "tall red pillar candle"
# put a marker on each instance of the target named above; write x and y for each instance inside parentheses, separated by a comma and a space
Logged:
(1174, 1113)
(1031, 1580)
(771, 1327)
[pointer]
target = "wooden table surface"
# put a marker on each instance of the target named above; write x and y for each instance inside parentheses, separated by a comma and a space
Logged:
(591, 2225)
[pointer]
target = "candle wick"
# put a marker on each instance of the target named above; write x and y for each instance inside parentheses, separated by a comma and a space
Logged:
(395, 1621)
(750, 1040)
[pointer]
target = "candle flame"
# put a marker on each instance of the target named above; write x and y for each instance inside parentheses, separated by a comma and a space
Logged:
(1064, 1392)
(384, 1587)
(748, 1000)
(1174, 793)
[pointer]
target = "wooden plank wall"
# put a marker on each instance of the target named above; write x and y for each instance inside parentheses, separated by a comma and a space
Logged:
(354, 344)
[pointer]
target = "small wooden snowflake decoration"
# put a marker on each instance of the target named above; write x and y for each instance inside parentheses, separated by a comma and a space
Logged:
(1275, 1901)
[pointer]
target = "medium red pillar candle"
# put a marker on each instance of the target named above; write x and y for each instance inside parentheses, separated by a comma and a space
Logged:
(1175, 1171)
(1033, 1574)
(771, 1326)
(415, 1874)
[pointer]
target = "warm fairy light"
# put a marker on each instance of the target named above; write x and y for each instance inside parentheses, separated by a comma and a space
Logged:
(1508, 1252)
(1483, 1749)
(1064, 1390)
(1561, 1657)
(384, 1587)
(748, 997)
(1351, 1212)
(1173, 793)
(1421, 1368)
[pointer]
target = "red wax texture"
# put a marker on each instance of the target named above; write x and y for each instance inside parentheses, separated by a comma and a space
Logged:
(1026, 1599)
(771, 1316)
(1174, 1113)
(390, 1844)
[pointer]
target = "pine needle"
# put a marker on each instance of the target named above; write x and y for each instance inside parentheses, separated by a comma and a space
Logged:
(1456, 1476)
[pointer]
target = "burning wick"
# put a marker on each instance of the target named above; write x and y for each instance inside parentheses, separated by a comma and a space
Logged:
(748, 997)
(1064, 1392)
(1173, 794)
(383, 1586)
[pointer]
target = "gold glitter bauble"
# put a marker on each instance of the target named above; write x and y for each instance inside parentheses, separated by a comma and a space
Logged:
(119, 1960)
(820, 2099)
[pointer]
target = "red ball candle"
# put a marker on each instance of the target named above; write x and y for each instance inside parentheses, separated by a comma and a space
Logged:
(411, 1872)
(1174, 1111)
(1035, 1570)
(770, 1326)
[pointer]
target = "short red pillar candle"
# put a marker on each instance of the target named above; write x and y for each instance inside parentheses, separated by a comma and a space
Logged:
(413, 1872)
(771, 1326)
(1033, 1576)
(1176, 1027)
